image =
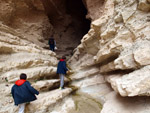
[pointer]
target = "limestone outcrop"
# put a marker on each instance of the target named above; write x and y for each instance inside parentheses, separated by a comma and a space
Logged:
(109, 69)
(118, 45)
(24, 30)
(18, 55)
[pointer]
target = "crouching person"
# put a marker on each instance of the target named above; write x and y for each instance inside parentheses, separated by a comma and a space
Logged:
(23, 92)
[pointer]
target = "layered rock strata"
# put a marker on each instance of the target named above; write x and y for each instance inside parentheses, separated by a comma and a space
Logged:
(110, 66)
(117, 46)
(27, 17)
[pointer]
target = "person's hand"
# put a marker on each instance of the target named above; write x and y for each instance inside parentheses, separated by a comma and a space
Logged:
(68, 72)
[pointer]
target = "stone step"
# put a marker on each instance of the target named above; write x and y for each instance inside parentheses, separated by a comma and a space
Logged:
(47, 85)
(46, 101)
(18, 61)
(33, 74)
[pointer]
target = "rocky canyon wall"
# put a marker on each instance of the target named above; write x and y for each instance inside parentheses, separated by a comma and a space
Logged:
(116, 51)
(24, 28)
(110, 68)
(27, 17)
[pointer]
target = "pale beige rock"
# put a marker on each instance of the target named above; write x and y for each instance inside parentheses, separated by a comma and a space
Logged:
(88, 41)
(32, 73)
(118, 40)
(46, 100)
(45, 85)
(131, 57)
(125, 105)
(133, 84)
(130, 10)
(90, 81)
(123, 44)
(25, 60)
(18, 55)
(81, 63)
(114, 46)
(66, 106)
(98, 8)
(84, 73)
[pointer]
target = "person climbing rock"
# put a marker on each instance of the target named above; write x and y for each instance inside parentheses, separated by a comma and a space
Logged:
(23, 92)
(52, 43)
(61, 70)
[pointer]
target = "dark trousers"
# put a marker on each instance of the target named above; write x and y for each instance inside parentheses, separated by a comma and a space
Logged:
(52, 47)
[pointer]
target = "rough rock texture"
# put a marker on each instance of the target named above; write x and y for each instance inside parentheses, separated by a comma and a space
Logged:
(69, 26)
(21, 56)
(118, 46)
(27, 17)
(95, 8)
(24, 30)
(110, 68)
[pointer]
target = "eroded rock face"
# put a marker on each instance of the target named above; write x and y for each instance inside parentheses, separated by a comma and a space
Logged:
(21, 56)
(110, 65)
(68, 18)
(24, 30)
(117, 44)
(95, 8)
(28, 17)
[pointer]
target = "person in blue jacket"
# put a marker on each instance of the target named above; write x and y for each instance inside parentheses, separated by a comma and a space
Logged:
(61, 70)
(23, 92)
(52, 43)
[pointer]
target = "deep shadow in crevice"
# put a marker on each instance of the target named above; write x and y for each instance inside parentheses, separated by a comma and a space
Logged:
(109, 59)
(77, 10)
(119, 71)
(68, 18)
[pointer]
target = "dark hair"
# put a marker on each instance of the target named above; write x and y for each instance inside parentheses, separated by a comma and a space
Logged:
(23, 76)
(63, 57)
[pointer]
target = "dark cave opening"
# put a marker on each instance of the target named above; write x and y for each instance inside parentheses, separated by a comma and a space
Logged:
(77, 10)
(68, 18)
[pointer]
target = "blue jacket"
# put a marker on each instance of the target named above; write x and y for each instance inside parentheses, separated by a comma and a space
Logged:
(61, 67)
(23, 92)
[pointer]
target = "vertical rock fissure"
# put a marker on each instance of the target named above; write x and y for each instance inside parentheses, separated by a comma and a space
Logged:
(69, 22)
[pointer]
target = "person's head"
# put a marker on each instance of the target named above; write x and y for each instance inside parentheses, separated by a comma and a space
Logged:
(63, 57)
(52, 36)
(23, 76)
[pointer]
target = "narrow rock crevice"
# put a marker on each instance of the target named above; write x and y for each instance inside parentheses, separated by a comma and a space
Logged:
(69, 22)
(109, 59)
(119, 71)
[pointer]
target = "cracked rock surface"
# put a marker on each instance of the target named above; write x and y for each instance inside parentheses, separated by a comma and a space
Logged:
(109, 68)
